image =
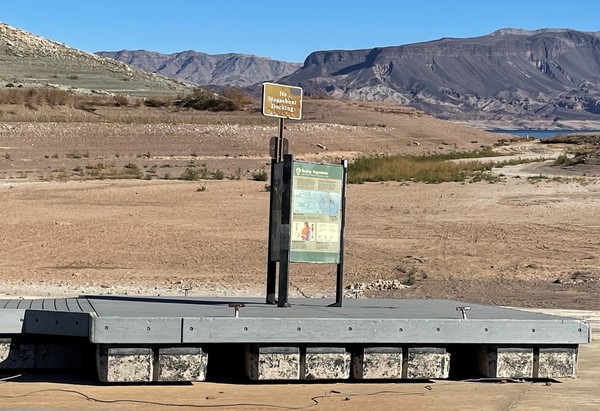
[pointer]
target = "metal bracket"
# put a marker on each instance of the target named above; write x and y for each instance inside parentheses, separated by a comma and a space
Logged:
(463, 310)
(236, 308)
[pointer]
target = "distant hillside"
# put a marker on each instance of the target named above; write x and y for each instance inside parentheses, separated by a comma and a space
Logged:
(235, 70)
(547, 77)
(29, 60)
(510, 74)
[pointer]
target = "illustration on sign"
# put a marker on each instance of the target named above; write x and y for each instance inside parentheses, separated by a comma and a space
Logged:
(316, 212)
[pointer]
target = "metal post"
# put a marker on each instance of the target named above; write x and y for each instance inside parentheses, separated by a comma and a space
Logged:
(272, 265)
(284, 257)
(279, 147)
(339, 283)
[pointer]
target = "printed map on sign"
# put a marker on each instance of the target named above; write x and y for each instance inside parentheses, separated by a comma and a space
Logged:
(316, 212)
(316, 202)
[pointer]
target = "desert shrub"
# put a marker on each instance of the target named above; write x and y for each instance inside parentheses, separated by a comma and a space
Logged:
(132, 170)
(75, 154)
(190, 174)
(94, 101)
(260, 175)
(12, 96)
(237, 175)
(58, 97)
(32, 97)
(202, 99)
(158, 101)
(121, 100)
(563, 160)
(237, 97)
(218, 175)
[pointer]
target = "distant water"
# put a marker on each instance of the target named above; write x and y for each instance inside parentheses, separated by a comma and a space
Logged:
(541, 134)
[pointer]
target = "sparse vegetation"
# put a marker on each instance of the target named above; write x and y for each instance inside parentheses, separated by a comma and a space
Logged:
(32, 97)
(190, 174)
(218, 175)
(237, 175)
(121, 100)
(563, 161)
(131, 170)
(75, 154)
(158, 101)
(202, 99)
(237, 96)
(558, 179)
(260, 175)
(430, 169)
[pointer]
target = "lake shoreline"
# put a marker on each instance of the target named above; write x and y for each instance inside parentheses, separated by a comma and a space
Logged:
(540, 133)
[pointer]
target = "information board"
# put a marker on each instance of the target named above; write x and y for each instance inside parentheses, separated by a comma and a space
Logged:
(316, 212)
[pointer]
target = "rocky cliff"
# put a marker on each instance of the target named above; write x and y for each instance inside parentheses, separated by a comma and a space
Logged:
(546, 74)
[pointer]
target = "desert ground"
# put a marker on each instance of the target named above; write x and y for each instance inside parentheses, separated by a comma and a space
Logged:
(95, 204)
(74, 221)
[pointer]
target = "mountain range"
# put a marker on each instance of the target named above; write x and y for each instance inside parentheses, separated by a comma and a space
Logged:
(544, 74)
(230, 70)
(509, 76)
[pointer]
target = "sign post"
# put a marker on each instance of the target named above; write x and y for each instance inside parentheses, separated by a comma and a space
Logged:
(307, 203)
(283, 102)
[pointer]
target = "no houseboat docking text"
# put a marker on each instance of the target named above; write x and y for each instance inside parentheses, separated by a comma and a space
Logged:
(282, 104)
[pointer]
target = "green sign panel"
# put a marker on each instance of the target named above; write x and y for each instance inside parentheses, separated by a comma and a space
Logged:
(316, 212)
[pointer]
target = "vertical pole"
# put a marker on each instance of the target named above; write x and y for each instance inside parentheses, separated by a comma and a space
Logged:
(271, 265)
(280, 141)
(339, 286)
(284, 256)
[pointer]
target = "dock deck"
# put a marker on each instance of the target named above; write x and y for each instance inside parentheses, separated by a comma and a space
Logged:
(153, 323)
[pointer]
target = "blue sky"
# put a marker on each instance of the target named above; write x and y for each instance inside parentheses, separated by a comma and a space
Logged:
(283, 30)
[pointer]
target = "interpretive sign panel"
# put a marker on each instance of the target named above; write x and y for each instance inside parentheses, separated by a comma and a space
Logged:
(282, 101)
(316, 212)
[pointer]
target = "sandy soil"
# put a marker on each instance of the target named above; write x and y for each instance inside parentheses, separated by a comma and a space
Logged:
(522, 242)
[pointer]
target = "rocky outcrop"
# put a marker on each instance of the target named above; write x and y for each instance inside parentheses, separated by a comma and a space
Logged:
(545, 74)
(233, 70)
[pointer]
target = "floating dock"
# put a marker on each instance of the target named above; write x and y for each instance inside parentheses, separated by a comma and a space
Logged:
(143, 339)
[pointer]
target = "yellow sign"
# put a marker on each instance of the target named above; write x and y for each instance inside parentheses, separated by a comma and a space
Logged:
(282, 101)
